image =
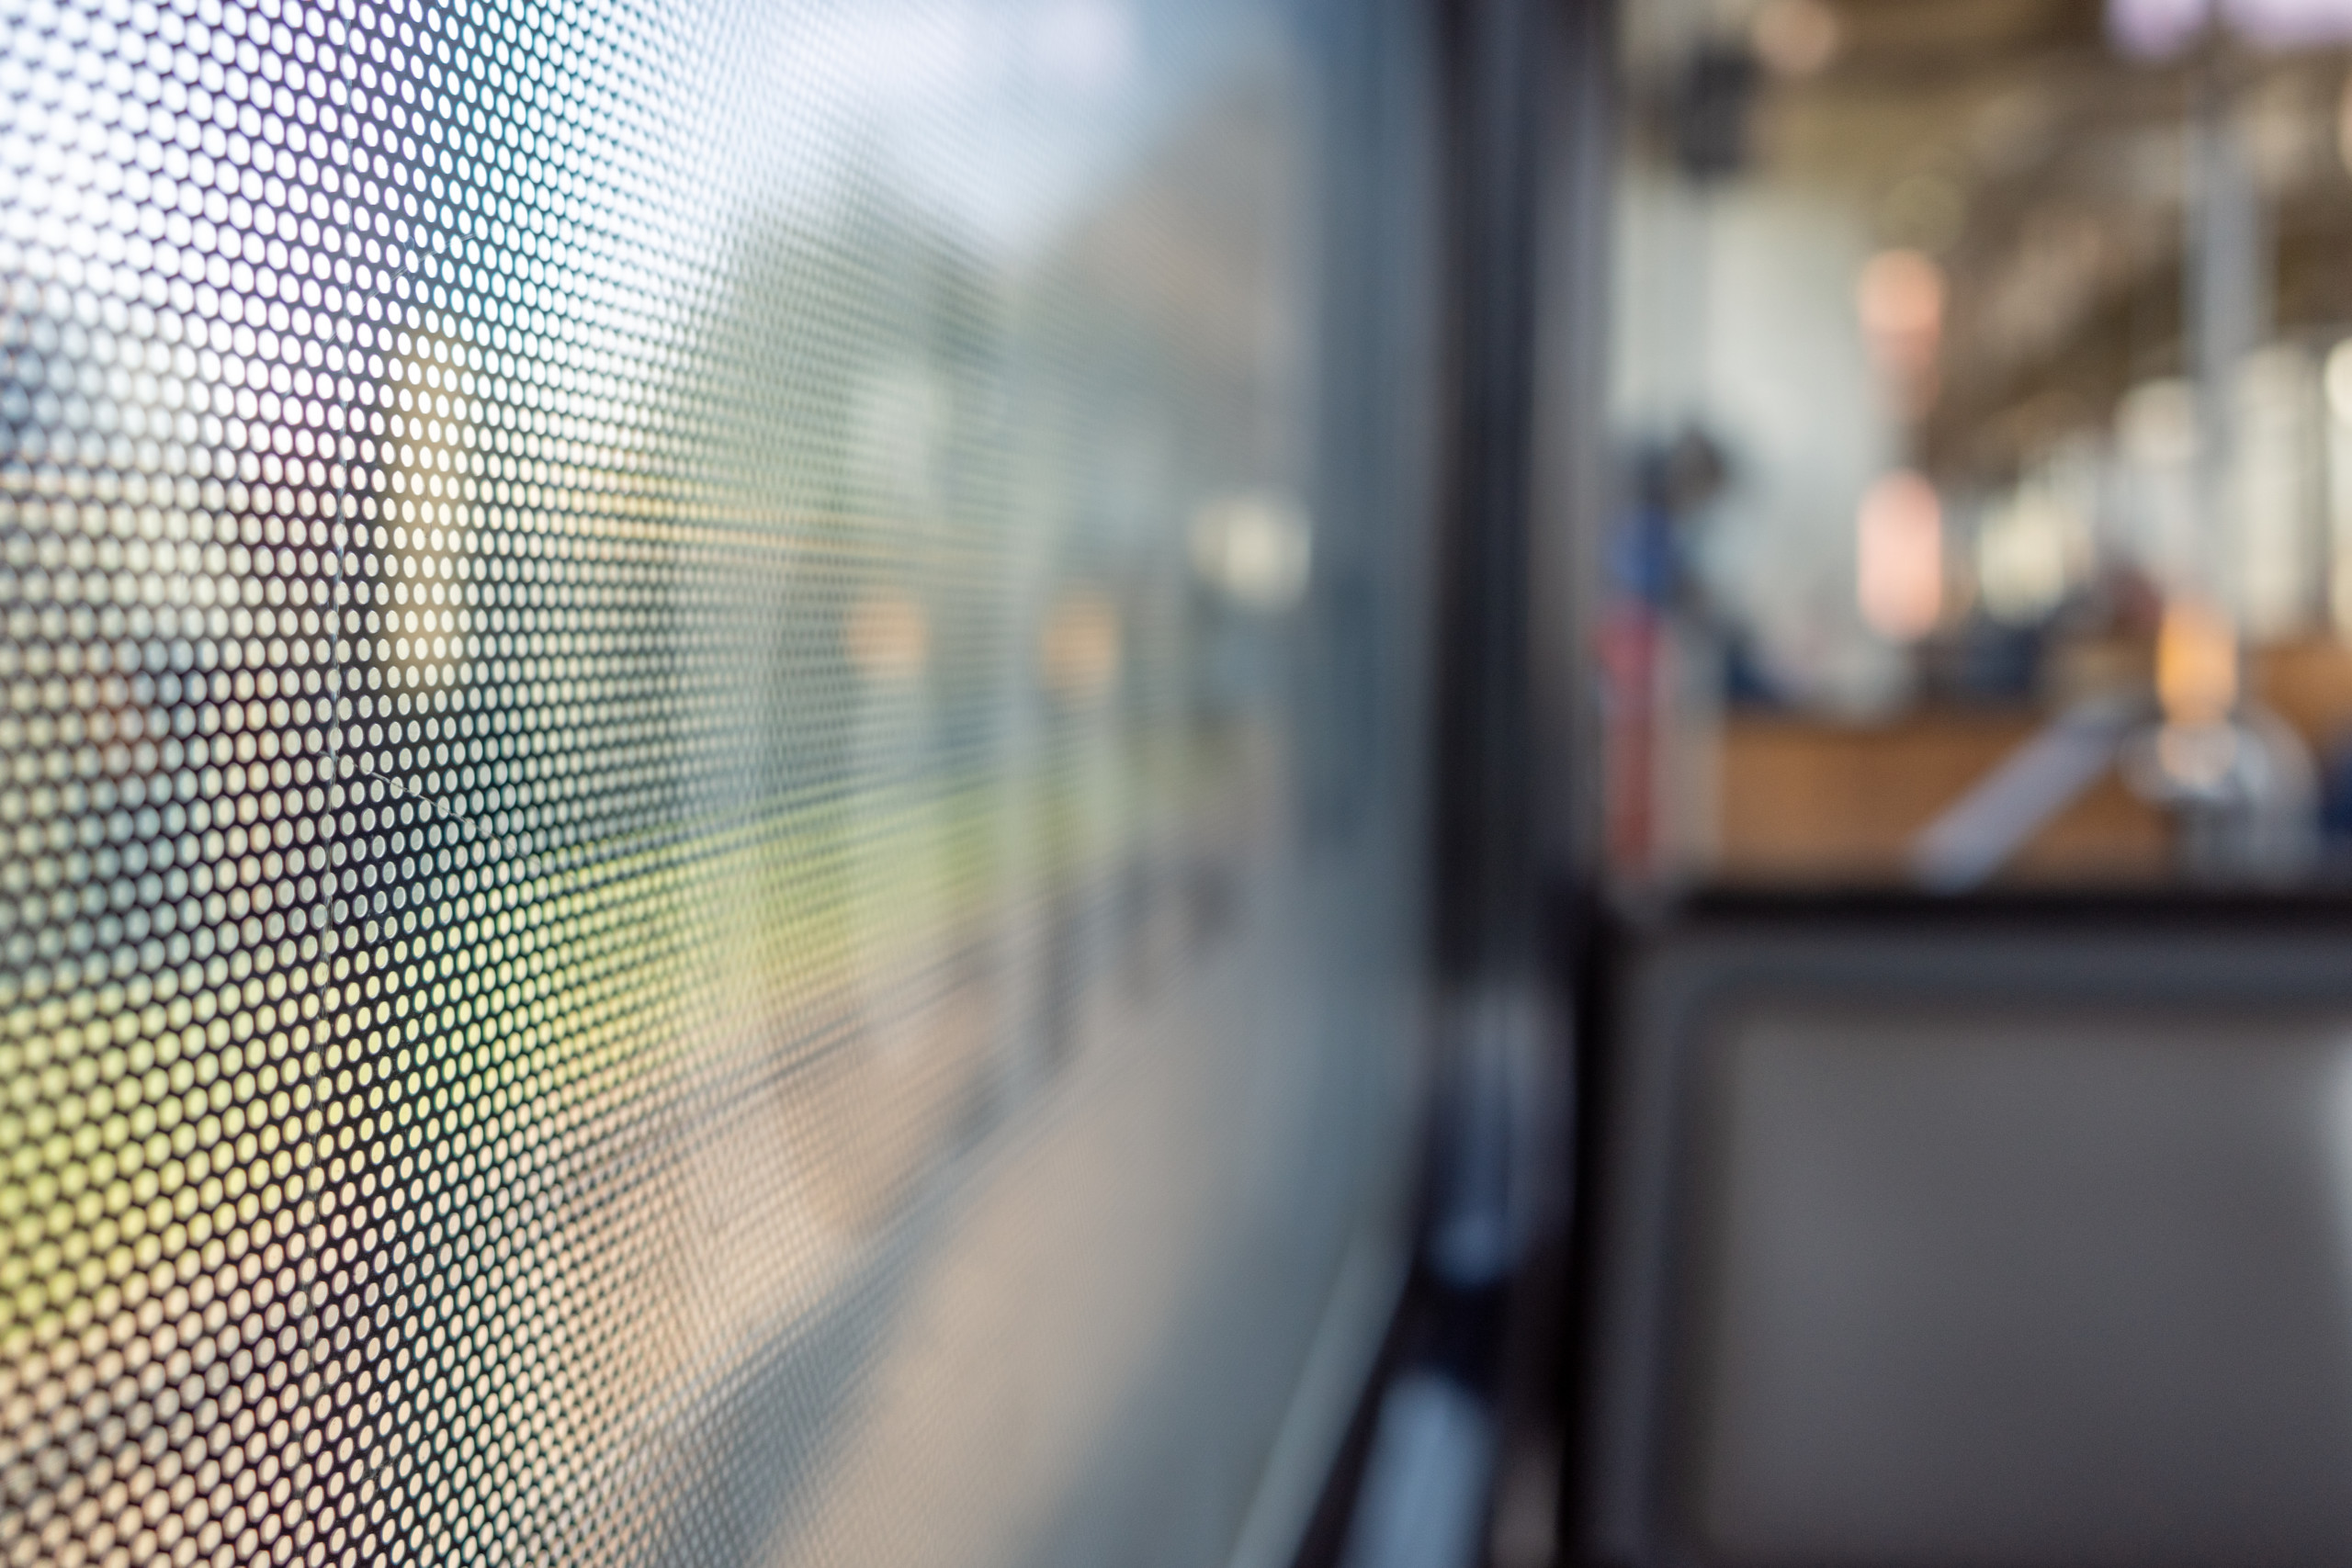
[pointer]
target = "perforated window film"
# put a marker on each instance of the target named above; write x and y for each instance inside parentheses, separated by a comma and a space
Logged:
(707, 771)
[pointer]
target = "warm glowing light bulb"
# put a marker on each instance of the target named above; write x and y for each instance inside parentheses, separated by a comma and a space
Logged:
(1901, 296)
(1900, 557)
(2197, 663)
(1794, 38)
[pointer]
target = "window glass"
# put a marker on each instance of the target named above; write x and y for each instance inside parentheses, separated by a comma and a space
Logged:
(710, 760)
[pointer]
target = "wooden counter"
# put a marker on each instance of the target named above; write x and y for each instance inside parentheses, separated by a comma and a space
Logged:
(1813, 801)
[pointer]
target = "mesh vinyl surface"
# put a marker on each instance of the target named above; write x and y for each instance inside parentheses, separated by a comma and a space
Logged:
(706, 758)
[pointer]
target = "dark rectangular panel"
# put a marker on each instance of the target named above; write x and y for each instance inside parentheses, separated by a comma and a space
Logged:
(1956, 1246)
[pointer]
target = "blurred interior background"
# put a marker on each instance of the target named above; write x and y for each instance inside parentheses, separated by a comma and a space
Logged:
(1983, 436)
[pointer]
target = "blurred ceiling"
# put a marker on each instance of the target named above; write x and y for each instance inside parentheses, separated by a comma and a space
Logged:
(2045, 174)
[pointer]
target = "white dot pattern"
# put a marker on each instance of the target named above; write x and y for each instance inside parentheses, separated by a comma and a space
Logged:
(596, 678)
